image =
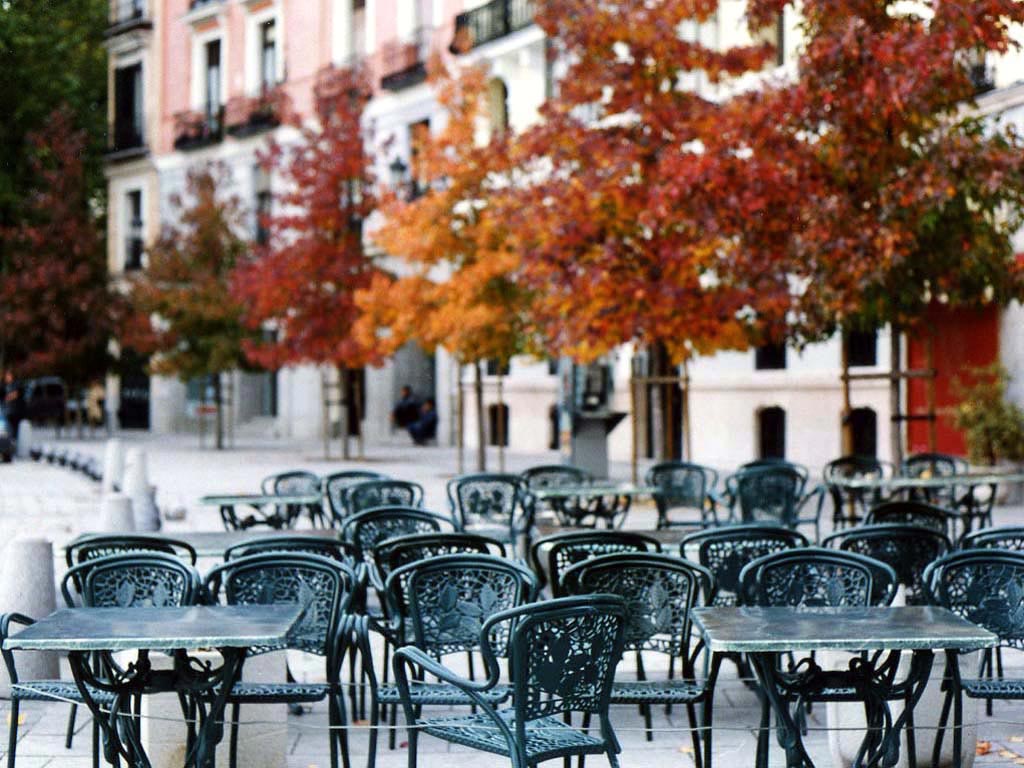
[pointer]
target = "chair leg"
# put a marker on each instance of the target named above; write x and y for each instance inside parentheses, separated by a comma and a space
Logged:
(761, 760)
(691, 714)
(332, 734)
(941, 730)
(908, 730)
(95, 743)
(233, 751)
(671, 675)
(413, 739)
(371, 759)
(12, 741)
(69, 737)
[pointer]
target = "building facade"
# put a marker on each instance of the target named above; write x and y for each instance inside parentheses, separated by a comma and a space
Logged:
(200, 80)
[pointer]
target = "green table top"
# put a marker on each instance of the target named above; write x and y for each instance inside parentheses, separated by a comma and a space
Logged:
(258, 499)
(593, 490)
(163, 629)
(213, 543)
(751, 630)
(936, 481)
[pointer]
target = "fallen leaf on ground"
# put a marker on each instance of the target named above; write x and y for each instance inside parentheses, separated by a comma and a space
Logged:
(983, 748)
(686, 750)
(1017, 739)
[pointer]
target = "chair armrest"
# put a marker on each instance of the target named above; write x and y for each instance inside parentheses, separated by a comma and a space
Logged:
(817, 492)
(410, 655)
(5, 628)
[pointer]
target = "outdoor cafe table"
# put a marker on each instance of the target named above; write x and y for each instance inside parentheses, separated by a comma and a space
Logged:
(765, 633)
(971, 481)
(266, 508)
(215, 543)
(232, 630)
(606, 502)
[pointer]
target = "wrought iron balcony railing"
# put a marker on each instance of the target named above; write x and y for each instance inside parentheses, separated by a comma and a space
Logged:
(246, 116)
(491, 22)
(194, 129)
(127, 15)
(403, 63)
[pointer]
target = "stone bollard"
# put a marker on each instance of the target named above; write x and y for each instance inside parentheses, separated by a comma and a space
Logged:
(113, 466)
(142, 494)
(27, 586)
(24, 438)
(116, 514)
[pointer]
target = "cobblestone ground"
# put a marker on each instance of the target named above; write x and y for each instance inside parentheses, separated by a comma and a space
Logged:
(41, 500)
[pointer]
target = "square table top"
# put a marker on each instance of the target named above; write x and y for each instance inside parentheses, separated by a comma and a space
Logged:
(214, 543)
(259, 499)
(593, 490)
(754, 629)
(163, 629)
(928, 482)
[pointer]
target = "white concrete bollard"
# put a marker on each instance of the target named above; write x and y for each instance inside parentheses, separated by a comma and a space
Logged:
(116, 514)
(113, 466)
(25, 439)
(27, 586)
(142, 494)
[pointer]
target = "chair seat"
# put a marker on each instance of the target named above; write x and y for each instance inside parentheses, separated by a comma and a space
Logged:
(994, 689)
(546, 737)
(657, 692)
(438, 693)
(277, 693)
(57, 690)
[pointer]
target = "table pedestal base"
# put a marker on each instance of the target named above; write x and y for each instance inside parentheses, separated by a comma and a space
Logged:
(202, 691)
(871, 680)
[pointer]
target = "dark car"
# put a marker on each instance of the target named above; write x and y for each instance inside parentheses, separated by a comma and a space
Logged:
(45, 400)
(6, 439)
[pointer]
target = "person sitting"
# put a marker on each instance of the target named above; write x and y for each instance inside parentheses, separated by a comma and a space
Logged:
(424, 429)
(406, 410)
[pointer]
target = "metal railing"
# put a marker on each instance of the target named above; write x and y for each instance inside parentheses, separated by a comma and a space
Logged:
(128, 14)
(491, 22)
(403, 62)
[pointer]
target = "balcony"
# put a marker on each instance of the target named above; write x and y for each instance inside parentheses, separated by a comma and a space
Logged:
(193, 129)
(128, 16)
(247, 116)
(492, 21)
(127, 143)
(404, 62)
(982, 78)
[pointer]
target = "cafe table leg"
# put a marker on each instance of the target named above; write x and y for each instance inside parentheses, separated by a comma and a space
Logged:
(709, 706)
(208, 688)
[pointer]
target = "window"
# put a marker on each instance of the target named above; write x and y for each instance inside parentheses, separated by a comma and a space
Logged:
(419, 133)
(497, 105)
(864, 430)
(213, 99)
(262, 204)
(774, 34)
(771, 433)
(128, 109)
(497, 424)
(496, 368)
(862, 348)
(770, 357)
(553, 366)
(133, 245)
(268, 55)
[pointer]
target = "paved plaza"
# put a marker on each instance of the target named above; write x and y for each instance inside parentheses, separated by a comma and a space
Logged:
(56, 503)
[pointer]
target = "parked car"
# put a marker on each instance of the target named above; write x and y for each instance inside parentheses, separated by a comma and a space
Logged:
(45, 400)
(6, 439)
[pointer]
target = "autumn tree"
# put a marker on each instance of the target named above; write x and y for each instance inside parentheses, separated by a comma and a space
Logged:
(184, 313)
(56, 313)
(886, 191)
(457, 286)
(302, 282)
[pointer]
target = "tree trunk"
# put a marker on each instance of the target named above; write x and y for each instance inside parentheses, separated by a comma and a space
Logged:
(460, 417)
(895, 407)
(478, 391)
(501, 424)
(220, 414)
(345, 388)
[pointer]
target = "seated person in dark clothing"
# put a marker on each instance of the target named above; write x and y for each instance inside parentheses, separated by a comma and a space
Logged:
(406, 410)
(424, 428)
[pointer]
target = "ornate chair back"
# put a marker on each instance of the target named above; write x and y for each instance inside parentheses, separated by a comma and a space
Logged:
(1004, 537)
(817, 577)
(491, 503)
(934, 465)
(134, 579)
(767, 494)
(335, 490)
(725, 552)
(106, 544)
(682, 485)
(908, 549)
(297, 482)
(383, 493)
(393, 553)
(553, 555)
(366, 529)
(313, 545)
(913, 513)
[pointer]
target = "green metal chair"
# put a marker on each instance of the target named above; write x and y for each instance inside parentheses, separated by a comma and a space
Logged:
(683, 485)
(335, 489)
(552, 556)
(325, 587)
(562, 656)
(492, 504)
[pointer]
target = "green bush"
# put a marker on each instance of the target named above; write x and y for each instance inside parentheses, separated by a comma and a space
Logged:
(992, 426)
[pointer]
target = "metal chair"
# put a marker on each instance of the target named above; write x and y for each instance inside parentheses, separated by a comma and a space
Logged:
(908, 549)
(916, 513)
(325, 587)
(552, 556)
(335, 486)
(682, 485)
(371, 494)
(774, 493)
(562, 656)
(439, 606)
(297, 482)
(569, 511)
(849, 505)
(725, 551)
(106, 544)
(314, 545)
(986, 587)
(659, 591)
(492, 504)
(934, 465)
(1004, 537)
(393, 553)
(364, 530)
(815, 577)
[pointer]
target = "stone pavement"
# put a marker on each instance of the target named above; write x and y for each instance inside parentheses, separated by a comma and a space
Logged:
(42, 500)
